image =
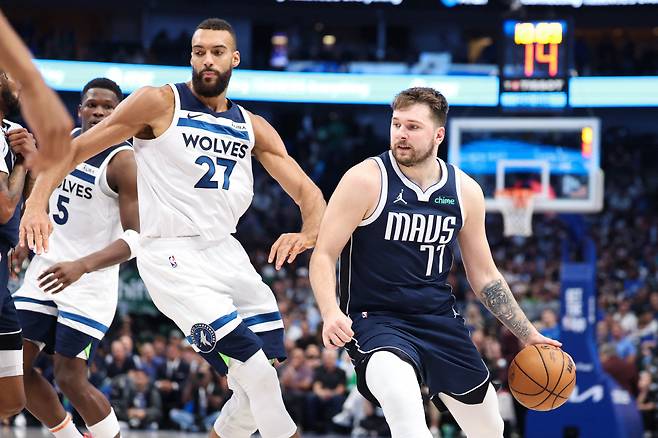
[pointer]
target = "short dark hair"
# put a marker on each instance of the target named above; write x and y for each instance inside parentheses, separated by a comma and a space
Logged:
(429, 96)
(105, 83)
(218, 24)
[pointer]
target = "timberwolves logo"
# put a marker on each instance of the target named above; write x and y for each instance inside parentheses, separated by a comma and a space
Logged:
(204, 337)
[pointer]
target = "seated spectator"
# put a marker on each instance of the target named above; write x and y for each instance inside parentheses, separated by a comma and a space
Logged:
(170, 378)
(548, 323)
(148, 361)
(119, 362)
(136, 401)
(203, 397)
(296, 381)
(328, 393)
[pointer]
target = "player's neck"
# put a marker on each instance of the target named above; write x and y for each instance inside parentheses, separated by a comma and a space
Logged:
(216, 103)
(424, 174)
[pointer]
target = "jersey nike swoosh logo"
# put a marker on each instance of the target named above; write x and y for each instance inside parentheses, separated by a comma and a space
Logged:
(193, 116)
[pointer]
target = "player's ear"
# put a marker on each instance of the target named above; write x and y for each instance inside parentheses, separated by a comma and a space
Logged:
(79, 111)
(440, 135)
(236, 59)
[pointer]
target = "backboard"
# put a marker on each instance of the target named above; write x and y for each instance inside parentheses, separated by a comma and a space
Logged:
(557, 158)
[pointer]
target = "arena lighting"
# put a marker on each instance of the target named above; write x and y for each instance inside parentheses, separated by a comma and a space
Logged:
(579, 3)
(279, 86)
(622, 91)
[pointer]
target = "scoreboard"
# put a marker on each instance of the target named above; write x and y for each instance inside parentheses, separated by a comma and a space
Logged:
(535, 64)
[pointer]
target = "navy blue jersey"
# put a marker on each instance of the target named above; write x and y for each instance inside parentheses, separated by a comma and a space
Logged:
(398, 259)
(9, 231)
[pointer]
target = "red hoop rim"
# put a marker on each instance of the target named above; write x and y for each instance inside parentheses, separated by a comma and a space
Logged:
(519, 195)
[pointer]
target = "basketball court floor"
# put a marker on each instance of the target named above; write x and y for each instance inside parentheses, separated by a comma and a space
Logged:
(35, 432)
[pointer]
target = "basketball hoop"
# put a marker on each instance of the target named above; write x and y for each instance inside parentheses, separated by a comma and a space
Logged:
(517, 206)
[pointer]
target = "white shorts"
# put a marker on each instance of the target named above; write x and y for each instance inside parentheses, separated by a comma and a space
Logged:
(200, 284)
(87, 306)
(11, 360)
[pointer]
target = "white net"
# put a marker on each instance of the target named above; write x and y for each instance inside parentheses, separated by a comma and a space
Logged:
(517, 207)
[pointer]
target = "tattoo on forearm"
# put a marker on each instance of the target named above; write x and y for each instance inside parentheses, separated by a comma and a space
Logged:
(498, 298)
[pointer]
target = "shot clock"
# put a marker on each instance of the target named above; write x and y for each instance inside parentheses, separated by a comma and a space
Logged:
(535, 64)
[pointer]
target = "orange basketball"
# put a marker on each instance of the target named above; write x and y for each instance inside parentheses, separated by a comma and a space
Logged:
(542, 377)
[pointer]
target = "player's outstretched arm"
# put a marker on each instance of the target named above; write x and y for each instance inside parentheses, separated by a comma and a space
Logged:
(483, 276)
(122, 177)
(147, 112)
(353, 200)
(272, 154)
(40, 106)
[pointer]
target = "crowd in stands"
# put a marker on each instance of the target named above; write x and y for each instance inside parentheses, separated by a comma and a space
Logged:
(596, 52)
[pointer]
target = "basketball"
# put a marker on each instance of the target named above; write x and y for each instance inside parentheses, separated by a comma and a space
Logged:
(542, 377)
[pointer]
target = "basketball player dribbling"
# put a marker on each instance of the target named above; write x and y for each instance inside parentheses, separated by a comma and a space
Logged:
(40, 106)
(397, 219)
(193, 149)
(91, 208)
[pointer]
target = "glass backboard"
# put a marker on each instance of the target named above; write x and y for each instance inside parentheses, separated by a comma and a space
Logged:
(557, 158)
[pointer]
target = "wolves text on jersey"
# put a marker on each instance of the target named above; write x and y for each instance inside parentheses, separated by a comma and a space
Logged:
(217, 145)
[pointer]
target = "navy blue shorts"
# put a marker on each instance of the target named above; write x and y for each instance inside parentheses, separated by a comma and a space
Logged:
(241, 343)
(438, 347)
(56, 337)
(10, 329)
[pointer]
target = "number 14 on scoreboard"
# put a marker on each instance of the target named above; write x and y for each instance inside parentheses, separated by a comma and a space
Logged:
(542, 41)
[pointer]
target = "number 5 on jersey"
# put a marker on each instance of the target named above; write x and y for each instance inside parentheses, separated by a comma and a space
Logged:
(62, 214)
(206, 181)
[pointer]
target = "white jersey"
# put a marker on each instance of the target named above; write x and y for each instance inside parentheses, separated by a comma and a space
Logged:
(195, 179)
(85, 214)
(85, 210)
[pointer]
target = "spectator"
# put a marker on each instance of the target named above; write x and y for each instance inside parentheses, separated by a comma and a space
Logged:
(328, 393)
(202, 400)
(170, 378)
(119, 362)
(296, 381)
(135, 400)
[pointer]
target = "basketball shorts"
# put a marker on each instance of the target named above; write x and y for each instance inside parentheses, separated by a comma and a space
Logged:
(72, 322)
(214, 295)
(438, 347)
(11, 341)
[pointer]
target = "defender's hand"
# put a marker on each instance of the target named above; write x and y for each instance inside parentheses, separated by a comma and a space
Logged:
(21, 142)
(60, 275)
(35, 229)
(336, 330)
(288, 246)
(18, 256)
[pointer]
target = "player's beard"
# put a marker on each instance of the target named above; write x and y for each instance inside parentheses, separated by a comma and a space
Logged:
(8, 100)
(212, 89)
(414, 157)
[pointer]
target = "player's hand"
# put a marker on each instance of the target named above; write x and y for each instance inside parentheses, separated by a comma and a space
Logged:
(336, 330)
(49, 121)
(60, 275)
(288, 246)
(21, 142)
(538, 338)
(35, 229)
(18, 256)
